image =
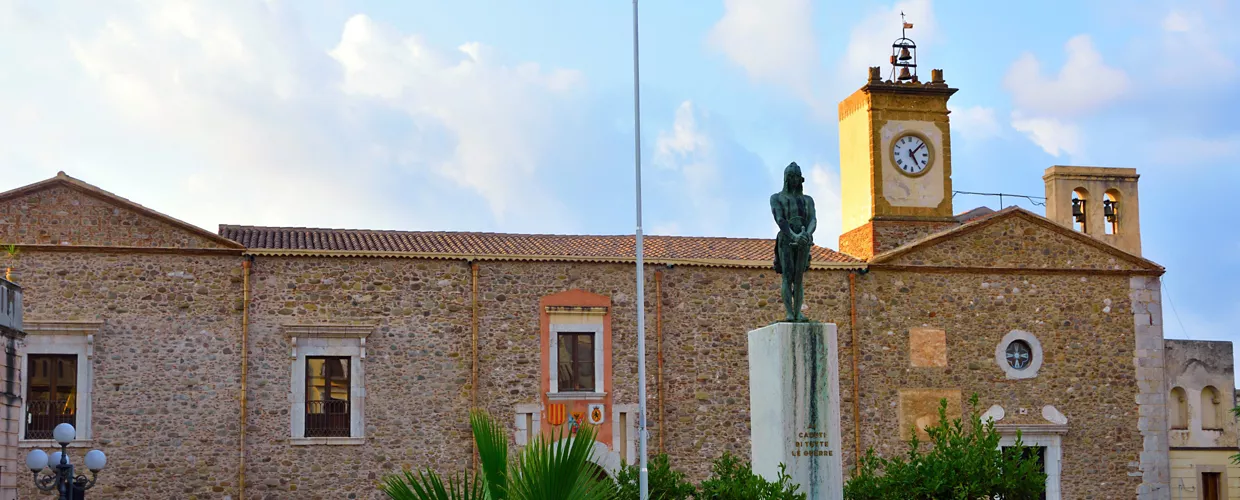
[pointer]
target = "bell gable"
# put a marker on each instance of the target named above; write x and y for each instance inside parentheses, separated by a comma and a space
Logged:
(63, 211)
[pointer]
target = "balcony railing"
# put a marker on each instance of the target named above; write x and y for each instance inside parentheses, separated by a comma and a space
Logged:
(327, 418)
(44, 415)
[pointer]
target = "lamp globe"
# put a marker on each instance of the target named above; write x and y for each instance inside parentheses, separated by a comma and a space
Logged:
(64, 433)
(53, 460)
(36, 460)
(95, 460)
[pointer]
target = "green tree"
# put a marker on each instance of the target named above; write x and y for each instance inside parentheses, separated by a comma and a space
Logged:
(559, 469)
(663, 483)
(964, 463)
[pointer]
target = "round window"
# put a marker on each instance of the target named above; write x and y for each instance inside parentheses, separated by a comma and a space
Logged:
(1019, 354)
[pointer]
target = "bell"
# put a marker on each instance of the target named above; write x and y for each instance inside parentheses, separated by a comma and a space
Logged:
(904, 55)
(1109, 209)
(904, 74)
(1078, 209)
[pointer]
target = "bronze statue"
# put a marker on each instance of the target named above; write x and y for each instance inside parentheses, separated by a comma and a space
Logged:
(794, 213)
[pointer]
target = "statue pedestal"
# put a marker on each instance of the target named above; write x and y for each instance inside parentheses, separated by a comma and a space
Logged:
(794, 406)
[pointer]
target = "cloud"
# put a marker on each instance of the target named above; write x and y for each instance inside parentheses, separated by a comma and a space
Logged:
(772, 40)
(230, 112)
(822, 183)
(1192, 52)
(869, 44)
(498, 114)
(975, 122)
(1050, 134)
(1084, 83)
(703, 178)
(687, 150)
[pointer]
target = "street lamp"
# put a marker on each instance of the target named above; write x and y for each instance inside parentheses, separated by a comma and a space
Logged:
(61, 479)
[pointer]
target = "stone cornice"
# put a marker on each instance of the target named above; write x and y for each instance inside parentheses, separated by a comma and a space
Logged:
(595, 310)
(1032, 428)
(327, 330)
(62, 327)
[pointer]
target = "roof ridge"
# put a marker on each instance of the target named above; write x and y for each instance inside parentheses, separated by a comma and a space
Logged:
(223, 227)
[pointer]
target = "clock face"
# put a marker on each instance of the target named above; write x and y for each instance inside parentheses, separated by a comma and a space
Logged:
(911, 154)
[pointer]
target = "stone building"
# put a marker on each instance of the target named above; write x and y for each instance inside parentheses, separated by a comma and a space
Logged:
(307, 363)
(1203, 436)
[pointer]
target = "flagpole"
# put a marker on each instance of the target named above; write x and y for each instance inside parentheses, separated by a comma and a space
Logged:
(644, 493)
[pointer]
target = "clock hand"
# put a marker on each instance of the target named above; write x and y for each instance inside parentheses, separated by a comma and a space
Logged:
(912, 156)
(919, 147)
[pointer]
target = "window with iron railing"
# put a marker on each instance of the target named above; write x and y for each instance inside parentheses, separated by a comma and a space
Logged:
(51, 393)
(327, 396)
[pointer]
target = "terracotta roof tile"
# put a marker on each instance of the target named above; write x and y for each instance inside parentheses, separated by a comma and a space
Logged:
(498, 245)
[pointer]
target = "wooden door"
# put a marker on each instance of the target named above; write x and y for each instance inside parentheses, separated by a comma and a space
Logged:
(1211, 486)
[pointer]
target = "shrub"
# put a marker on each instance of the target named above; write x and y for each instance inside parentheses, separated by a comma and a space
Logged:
(732, 479)
(663, 483)
(965, 463)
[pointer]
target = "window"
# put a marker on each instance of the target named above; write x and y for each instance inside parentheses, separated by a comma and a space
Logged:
(327, 391)
(576, 361)
(51, 393)
(327, 396)
(1210, 409)
(1019, 354)
(1179, 409)
(57, 375)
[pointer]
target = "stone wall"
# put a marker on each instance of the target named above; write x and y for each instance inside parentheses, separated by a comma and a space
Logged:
(166, 364)
(60, 215)
(417, 371)
(1085, 329)
(167, 359)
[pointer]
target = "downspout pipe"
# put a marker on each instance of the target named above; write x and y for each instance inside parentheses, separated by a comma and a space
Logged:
(246, 264)
(856, 376)
(658, 332)
(473, 380)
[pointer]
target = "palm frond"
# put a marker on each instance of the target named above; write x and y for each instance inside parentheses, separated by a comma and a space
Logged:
(492, 442)
(559, 469)
(427, 485)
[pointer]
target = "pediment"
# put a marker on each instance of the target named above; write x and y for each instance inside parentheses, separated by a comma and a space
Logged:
(63, 211)
(1015, 238)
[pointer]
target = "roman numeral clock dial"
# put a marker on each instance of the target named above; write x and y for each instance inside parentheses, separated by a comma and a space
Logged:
(911, 154)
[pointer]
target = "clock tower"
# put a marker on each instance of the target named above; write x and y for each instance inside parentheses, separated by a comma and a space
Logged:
(895, 158)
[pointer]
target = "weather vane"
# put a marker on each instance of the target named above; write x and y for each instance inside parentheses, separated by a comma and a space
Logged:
(904, 54)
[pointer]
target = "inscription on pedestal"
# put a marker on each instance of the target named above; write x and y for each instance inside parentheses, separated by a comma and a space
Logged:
(812, 444)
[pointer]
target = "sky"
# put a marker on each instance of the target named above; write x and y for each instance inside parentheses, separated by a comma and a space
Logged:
(476, 115)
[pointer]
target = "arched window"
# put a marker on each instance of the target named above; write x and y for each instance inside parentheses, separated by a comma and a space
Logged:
(1179, 409)
(1211, 408)
(1110, 210)
(1080, 199)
